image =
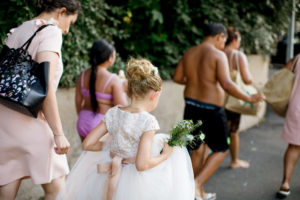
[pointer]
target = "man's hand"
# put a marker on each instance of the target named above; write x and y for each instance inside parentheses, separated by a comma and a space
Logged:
(254, 98)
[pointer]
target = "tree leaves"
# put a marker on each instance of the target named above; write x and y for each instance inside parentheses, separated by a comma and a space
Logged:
(158, 30)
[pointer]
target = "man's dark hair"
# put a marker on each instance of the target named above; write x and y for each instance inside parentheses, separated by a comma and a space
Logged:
(213, 29)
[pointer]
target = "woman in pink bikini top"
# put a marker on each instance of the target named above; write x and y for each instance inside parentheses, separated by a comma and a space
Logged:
(97, 89)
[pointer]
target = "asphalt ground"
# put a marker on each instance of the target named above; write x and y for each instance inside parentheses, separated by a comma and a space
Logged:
(263, 147)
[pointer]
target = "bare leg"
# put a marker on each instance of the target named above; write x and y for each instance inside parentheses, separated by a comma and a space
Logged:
(51, 189)
(114, 177)
(234, 151)
(198, 158)
(10, 190)
(212, 163)
(290, 159)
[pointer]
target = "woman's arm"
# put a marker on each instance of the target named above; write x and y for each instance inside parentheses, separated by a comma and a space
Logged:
(91, 142)
(144, 160)
(78, 95)
(50, 107)
(118, 92)
(179, 76)
(244, 68)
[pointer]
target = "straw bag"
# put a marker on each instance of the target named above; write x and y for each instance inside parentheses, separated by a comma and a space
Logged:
(23, 81)
(278, 89)
(238, 105)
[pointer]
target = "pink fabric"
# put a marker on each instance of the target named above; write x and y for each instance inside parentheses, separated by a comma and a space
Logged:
(99, 95)
(87, 121)
(26, 143)
(291, 129)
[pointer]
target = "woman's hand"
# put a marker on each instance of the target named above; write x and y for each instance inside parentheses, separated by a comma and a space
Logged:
(62, 144)
(167, 149)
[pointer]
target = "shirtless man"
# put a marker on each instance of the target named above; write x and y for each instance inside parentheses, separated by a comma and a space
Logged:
(204, 71)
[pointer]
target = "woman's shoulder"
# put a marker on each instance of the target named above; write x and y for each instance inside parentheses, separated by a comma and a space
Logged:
(34, 24)
(115, 79)
(240, 54)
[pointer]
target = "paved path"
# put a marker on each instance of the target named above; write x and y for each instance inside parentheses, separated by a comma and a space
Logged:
(262, 146)
(264, 149)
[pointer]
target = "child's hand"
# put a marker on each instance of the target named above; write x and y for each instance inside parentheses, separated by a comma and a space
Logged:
(167, 150)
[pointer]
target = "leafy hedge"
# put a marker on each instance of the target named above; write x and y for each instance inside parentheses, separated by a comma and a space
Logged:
(158, 30)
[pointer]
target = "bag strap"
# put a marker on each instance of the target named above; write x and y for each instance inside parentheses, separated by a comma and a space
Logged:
(28, 42)
(234, 53)
(230, 60)
(237, 62)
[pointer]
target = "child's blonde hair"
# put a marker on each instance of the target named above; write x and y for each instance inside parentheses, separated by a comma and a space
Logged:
(142, 77)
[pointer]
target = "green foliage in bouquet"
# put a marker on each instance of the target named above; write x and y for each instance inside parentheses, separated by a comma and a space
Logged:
(181, 133)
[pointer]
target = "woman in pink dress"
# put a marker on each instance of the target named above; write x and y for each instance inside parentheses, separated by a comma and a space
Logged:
(35, 147)
(291, 131)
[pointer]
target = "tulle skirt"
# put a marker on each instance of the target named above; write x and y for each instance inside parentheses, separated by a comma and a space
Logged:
(172, 179)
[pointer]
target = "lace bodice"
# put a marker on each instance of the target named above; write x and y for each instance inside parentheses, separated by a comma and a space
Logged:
(126, 129)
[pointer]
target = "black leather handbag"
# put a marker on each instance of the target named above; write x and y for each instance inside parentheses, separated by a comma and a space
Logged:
(23, 81)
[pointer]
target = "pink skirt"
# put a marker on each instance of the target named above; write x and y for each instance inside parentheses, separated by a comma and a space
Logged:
(27, 149)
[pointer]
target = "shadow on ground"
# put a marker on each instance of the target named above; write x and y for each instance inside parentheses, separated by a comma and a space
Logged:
(263, 147)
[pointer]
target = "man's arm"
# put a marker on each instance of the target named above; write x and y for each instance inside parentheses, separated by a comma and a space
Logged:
(228, 85)
(179, 76)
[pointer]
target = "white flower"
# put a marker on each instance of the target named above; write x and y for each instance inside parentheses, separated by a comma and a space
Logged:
(202, 136)
(190, 138)
(154, 70)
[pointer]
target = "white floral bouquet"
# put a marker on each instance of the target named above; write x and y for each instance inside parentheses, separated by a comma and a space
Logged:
(181, 133)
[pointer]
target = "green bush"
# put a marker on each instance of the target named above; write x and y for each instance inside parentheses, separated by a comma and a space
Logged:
(158, 30)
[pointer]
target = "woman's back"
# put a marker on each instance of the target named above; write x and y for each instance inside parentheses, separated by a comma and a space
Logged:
(231, 58)
(103, 90)
(237, 61)
(97, 89)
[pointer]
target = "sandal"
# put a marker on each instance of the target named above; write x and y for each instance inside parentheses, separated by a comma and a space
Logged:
(198, 198)
(209, 196)
(283, 193)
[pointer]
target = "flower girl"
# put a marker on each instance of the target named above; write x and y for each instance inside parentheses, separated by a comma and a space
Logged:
(136, 163)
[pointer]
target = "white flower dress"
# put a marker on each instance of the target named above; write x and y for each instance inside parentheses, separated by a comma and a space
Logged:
(172, 179)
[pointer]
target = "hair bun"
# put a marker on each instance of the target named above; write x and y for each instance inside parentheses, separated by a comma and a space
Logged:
(138, 69)
(142, 77)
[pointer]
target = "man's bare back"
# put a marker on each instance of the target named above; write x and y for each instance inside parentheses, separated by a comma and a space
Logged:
(200, 64)
(204, 71)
